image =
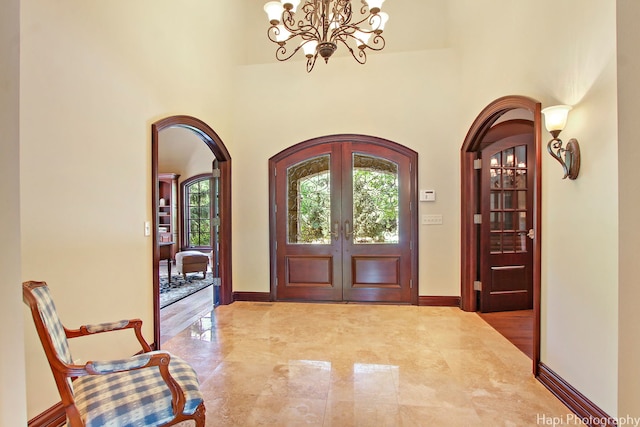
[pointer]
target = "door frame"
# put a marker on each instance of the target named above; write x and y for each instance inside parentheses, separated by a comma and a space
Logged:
(470, 186)
(413, 178)
(217, 147)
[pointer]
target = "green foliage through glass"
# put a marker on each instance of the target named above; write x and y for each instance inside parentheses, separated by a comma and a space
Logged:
(198, 217)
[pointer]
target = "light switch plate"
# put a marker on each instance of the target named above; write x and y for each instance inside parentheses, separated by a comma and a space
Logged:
(147, 228)
(432, 219)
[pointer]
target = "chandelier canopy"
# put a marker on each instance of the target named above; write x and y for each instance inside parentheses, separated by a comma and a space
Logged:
(318, 26)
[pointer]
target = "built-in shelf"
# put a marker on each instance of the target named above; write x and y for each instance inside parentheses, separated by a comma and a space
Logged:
(168, 212)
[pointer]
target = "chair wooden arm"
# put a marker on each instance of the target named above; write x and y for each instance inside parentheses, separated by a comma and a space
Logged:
(135, 324)
(161, 359)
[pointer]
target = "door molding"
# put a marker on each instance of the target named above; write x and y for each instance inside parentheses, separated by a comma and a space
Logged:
(355, 138)
(217, 147)
(469, 202)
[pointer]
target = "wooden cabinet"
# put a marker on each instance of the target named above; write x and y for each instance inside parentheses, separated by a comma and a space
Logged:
(168, 209)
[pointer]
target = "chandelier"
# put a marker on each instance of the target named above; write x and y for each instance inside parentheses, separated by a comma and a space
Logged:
(318, 26)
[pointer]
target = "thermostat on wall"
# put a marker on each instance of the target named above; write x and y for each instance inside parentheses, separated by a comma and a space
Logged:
(427, 195)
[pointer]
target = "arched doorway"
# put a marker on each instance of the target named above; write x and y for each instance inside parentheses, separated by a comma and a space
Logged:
(470, 193)
(223, 161)
(343, 223)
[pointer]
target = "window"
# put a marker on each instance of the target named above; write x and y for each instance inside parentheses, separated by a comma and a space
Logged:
(196, 214)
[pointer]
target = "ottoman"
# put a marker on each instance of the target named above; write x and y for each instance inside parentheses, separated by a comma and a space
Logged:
(191, 262)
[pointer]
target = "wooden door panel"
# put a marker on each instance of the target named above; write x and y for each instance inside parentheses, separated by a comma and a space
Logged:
(368, 272)
(509, 278)
(309, 271)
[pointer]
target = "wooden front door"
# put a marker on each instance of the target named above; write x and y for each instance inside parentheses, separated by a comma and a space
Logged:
(343, 223)
(506, 248)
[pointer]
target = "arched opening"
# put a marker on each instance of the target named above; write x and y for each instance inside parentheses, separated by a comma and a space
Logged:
(474, 142)
(223, 249)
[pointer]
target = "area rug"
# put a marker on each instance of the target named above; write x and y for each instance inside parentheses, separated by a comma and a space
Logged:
(180, 288)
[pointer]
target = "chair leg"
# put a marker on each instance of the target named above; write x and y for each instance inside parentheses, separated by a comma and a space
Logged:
(199, 416)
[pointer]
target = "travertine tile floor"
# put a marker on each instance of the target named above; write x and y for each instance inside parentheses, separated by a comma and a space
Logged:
(296, 364)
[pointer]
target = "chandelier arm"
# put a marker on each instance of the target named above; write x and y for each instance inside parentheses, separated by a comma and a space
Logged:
(349, 29)
(375, 41)
(272, 34)
(311, 61)
(361, 56)
(344, 11)
(307, 30)
(364, 9)
(281, 52)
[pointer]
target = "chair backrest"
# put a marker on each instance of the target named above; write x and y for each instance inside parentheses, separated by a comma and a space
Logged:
(50, 330)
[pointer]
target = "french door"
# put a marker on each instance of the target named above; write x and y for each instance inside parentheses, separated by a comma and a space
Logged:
(506, 256)
(343, 222)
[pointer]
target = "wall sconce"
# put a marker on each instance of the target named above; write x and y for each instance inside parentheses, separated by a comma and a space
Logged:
(555, 119)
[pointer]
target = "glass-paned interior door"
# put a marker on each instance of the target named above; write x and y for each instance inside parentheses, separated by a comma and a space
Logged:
(506, 257)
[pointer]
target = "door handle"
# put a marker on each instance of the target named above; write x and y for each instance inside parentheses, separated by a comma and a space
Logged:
(336, 230)
(531, 234)
(347, 230)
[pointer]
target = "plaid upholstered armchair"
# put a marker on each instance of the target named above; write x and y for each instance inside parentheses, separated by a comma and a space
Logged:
(153, 388)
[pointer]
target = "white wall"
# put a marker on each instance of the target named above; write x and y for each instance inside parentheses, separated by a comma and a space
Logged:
(95, 75)
(628, 15)
(563, 56)
(13, 411)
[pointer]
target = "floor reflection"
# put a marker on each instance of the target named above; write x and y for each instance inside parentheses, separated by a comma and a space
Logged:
(290, 364)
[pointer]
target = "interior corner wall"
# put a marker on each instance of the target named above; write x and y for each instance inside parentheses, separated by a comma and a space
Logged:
(515, 49)
(94, 77)
(13, 408)
(628, 15)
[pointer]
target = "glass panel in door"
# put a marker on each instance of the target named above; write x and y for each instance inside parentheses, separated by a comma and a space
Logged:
(309, 202)
(375, 200)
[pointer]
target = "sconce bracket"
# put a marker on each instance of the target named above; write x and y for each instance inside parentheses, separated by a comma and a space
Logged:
(568, 157)
(572, 158)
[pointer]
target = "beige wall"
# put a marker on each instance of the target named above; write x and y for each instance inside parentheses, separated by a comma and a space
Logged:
(567, 59)
(12, 365)
(410, 98)
(182, 151)
(628, 16)
(95, 75)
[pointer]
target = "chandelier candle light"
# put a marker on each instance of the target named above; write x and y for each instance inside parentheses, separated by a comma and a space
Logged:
(318, 26)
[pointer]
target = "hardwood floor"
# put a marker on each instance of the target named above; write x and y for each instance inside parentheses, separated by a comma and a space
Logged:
(181, 314)
(516, 326)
